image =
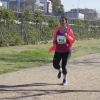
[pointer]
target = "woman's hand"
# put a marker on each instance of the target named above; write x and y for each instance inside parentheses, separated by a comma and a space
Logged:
(65, 34)
(54, 42)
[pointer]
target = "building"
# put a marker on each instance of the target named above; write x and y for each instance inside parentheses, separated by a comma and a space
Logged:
(31, 5)
(4, 3)
(89, 14)
(0, 5)
(47, 5)
(74, 15)
(23, 5)
(38, 6)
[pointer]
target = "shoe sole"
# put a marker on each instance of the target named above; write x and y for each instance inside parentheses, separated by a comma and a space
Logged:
(65, 84)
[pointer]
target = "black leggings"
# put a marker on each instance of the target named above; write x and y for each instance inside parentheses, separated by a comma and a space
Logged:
(61, 56)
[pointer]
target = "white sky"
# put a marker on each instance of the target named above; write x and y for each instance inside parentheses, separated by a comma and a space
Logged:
(90, 4)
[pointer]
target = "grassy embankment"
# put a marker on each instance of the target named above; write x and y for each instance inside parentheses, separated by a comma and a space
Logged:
(20, 57)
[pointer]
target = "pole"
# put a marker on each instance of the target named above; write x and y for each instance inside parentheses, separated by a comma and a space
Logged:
(19, 5)
(8, 4)
(72, 11)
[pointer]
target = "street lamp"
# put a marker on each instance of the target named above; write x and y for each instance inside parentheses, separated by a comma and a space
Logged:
(18, 5)
(72, 11)
(0, 4)
(8, 4)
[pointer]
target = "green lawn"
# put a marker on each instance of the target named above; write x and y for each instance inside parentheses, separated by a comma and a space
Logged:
(16, 58)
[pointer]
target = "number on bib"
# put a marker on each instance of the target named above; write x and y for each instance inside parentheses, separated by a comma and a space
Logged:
(61, 39)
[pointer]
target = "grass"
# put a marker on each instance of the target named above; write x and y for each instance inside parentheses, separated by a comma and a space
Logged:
(21, 57)
(85, 47)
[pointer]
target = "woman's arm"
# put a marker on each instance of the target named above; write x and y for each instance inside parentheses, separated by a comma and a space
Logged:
(70, 36)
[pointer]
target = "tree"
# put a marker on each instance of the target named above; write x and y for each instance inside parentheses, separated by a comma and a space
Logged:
(38, 17)
(61, 9)
(53, 23)
(27, 16)
(57, 6)
(7, 15)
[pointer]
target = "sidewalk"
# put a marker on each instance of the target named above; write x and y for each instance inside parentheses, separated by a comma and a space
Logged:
(41, 83)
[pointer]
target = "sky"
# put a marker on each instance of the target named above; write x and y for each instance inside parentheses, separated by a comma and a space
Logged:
(90, 4)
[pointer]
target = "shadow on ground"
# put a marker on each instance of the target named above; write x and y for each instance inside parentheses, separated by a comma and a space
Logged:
(34, 92)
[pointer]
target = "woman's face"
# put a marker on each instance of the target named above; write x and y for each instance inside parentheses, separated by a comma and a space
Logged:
(62, 21)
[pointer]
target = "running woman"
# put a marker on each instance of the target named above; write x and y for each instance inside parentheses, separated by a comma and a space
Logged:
(62, 44)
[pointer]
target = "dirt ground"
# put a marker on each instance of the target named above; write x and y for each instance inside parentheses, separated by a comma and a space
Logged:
(41, 83)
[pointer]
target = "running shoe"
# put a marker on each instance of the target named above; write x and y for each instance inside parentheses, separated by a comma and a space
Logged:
(65, 82)
(59, 74)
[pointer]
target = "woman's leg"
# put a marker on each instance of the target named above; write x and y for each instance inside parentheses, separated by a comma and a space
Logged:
(65, 58)
(56, 60)
(56, 63)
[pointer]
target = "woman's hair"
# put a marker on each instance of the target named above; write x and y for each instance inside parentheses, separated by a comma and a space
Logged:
(64, 18)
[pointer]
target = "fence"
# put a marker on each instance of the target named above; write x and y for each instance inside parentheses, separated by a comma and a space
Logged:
(26, 33)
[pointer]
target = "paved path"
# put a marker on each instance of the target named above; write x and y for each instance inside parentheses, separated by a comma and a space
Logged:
(41, 83)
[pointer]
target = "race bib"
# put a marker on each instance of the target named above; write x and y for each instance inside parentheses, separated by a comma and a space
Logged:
(61, 39)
